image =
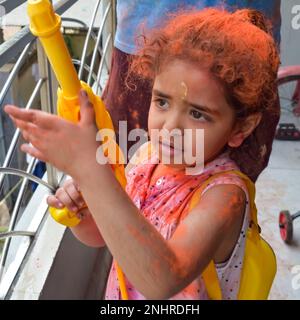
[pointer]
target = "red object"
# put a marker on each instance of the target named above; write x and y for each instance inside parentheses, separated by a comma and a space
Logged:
(287, 74)
(286, 226)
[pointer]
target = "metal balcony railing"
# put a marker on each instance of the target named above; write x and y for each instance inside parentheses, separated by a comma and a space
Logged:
(17, 49)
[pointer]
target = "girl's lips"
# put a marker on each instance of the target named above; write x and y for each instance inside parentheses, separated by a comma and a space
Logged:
(169, 148)
(167, 145)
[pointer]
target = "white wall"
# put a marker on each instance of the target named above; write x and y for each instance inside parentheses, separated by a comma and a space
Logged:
(290, 37)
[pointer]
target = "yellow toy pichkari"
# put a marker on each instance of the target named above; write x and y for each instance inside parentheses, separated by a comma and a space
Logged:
(45, 24)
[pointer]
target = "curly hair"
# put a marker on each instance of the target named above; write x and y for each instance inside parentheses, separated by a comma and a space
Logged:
(237, 48)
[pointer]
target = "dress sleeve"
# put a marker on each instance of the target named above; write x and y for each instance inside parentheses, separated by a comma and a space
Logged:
(228, 178)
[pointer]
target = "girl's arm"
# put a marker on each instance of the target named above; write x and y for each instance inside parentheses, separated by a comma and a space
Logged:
(156, 267)
(87, 231)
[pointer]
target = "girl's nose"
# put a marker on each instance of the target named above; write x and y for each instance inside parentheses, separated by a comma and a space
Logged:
(173, 121)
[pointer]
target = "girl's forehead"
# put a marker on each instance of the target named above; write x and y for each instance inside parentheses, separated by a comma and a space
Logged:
(188, 84)
(187, 79)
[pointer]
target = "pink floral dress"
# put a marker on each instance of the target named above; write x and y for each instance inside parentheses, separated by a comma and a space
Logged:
(165, 202)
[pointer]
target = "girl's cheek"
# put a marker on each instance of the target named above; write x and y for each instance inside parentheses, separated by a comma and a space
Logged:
(154, 119)
(150, 117)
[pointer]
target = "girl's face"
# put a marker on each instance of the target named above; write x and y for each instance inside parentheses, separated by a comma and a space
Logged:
(185, 97)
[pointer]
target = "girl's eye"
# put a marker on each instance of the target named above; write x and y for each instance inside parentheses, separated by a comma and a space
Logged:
(161, 103)
(197, 115)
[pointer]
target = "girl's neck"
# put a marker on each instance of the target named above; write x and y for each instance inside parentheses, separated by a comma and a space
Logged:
(161, 169)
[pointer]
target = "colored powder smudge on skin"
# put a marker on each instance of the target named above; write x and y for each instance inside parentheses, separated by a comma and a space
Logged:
(185, 90)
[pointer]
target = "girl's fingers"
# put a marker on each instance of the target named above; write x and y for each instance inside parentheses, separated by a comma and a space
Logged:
(64, 198)
(37, 117)
(29, 130)
(52, 201)
(76, 185)
(74, 194)
(31, 150)
(83, 213)
(26, 136)
(83, 97)
(87, 114)
(34, 135)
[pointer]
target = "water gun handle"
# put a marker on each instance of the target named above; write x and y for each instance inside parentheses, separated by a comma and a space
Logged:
(45, 24)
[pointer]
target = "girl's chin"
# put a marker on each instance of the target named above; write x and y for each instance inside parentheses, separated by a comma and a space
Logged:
(172, 157)
(172, 162)
(178, 167)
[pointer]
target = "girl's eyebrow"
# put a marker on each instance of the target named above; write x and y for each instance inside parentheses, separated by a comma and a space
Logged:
(213, 112)
(161, 94)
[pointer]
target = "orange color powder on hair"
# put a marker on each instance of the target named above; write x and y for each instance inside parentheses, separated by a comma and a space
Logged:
(237, 48)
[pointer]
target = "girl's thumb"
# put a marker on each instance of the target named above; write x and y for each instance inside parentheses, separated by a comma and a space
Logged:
(87, 115)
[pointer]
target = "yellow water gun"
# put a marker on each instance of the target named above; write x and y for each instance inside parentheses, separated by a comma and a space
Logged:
(46, 24)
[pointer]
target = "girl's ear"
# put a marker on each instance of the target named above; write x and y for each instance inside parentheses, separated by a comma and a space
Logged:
(242, 131)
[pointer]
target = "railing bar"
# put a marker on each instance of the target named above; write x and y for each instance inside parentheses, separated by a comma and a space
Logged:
(15, 138)
(11, 48)
(86, 67)
(62, 6)
(14, 72)
(18, 41)
(51, 102)
(14, 215)
(67, 19)
(26, 175)
(10, 5)
(11, 191)
(4, 235)
(87, 39)
(102, 61)
(35, 91)
(98, 42)
(93, 35)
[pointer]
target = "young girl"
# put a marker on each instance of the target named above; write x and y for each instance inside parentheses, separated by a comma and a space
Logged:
(211, 70)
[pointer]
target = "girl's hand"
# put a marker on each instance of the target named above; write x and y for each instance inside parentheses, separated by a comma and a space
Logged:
(68, 196)
(65, 145)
